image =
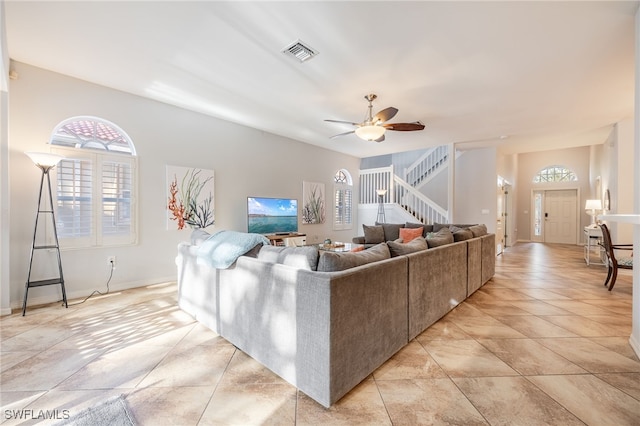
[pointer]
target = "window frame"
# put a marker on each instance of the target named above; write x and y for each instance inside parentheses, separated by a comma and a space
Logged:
(97, 237)
(100, 143)
(342, 187)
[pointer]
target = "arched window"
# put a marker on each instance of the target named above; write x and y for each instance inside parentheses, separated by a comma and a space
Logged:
(96, 183)
(343, 200)
(555, 174)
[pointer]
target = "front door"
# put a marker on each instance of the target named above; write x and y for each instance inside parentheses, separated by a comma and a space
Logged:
(560, 220)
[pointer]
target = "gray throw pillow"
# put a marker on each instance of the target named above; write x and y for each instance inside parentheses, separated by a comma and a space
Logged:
(442, 237)
(391, 230)
(373, 234)
(400, 249)
(332, 261)
(461, 234)
(478, 230)
(305, 257)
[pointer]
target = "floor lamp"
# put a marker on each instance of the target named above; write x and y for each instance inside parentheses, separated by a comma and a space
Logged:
(45, 162)
(381, 193)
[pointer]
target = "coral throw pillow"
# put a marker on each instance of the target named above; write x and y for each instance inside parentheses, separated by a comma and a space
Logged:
(408, 234)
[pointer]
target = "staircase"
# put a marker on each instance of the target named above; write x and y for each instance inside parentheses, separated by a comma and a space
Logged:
(427, 166)
(405, 193)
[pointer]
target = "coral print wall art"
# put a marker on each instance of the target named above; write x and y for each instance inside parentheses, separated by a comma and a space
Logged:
(313, 203)
(189, 198)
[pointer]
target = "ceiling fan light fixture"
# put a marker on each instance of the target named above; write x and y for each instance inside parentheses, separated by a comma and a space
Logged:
(370, 132)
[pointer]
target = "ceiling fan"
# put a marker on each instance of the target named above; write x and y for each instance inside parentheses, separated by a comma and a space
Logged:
(374, 127)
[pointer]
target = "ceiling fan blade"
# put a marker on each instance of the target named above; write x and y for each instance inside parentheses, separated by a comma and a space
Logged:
(343, 122)
(342, 134)
(385, 114)
(404, 127)
(380, 139)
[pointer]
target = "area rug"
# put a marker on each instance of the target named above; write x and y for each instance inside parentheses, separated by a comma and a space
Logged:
(113, 412)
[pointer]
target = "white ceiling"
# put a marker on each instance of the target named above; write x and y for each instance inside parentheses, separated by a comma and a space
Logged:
(541, 74)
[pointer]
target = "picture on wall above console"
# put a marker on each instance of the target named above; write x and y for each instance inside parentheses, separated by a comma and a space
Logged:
(313, 211)
(189, 197)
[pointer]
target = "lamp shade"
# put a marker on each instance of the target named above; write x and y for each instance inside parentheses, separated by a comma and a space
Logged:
(593, 205)
(44, 159)
(381, 192)
(370, 132)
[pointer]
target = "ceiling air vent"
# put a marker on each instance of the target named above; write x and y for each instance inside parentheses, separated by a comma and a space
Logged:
(300, 51)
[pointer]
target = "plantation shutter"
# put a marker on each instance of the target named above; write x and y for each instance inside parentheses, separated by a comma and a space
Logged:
(74, 198)
(116, 198)
(343, 204)
(95, 199)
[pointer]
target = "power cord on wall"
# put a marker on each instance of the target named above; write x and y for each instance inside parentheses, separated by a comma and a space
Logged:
(112, 267)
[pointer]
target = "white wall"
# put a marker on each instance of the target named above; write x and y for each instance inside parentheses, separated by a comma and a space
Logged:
(634, 339)
(247, 162)
(476, 188)
(529, 164)
(622, 199)
(4, 168)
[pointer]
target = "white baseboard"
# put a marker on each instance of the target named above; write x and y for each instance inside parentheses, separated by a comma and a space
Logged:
(43, 300)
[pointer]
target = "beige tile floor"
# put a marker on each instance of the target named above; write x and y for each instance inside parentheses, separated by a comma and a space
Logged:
(542, 343)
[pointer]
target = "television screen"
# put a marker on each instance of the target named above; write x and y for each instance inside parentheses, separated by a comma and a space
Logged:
(272, 215)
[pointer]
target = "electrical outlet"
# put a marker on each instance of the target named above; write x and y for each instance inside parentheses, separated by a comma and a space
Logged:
(111, 260)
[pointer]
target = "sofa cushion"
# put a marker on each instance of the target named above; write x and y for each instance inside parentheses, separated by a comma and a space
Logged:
(400, 249)
(391, 230)
(440, 238)
(305, 257)
(334, 261)
(409, 234)
(373, 234)
(439, 226)
(460, 234)
(426, 228)
(478, 230)
(199, 236)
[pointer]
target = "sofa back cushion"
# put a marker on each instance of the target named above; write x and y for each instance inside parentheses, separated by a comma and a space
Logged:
(460, 234)
(334, 261)
(478, 230)
(391, 230)
(438, 226)
(399, 249)
(373, 234)
(305, 257)
(440, 238)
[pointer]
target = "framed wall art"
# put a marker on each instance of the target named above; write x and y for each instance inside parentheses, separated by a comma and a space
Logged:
(190, 197)
(313, 207)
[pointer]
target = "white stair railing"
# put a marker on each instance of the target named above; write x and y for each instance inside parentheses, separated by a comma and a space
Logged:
(401, 192)
(419, 205)
(426, 167)
(371, 180)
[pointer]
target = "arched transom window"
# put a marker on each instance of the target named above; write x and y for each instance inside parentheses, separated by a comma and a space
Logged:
(94, 133)
(555, 174)
(96, 183)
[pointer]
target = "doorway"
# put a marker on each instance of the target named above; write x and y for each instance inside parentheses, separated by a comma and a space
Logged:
(555, 216)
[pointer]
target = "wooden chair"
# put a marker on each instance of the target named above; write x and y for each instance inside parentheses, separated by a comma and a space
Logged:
(614, 263)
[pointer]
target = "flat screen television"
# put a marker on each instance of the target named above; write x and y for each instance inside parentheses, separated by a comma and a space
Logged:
(272, 215)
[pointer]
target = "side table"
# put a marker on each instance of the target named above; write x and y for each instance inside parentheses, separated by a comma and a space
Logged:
(592, 236)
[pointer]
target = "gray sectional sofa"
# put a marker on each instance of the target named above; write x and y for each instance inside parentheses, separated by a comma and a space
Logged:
(324, 321)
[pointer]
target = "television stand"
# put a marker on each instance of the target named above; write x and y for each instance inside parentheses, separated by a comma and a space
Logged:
(287, 239)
